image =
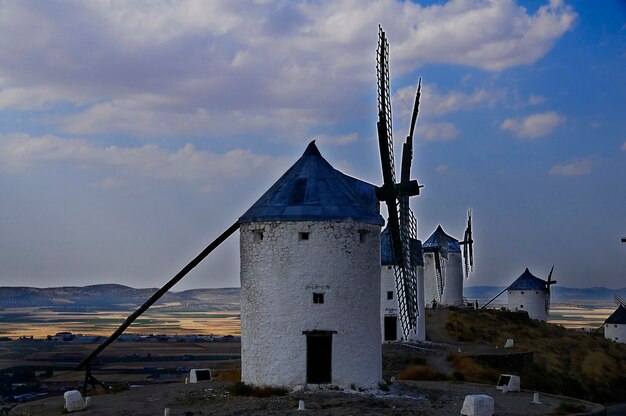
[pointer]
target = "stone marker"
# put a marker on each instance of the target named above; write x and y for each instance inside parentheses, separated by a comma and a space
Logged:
(508, 343)
(73, 401)
(536, 398)
(301, 405)
(197, 375)
(508, 382)
(477, 405)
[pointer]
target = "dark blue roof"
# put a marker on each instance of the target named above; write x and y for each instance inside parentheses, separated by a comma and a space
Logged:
(528, 282)
(312, 190)
(617, 317)
(386, 253)
(440, 240)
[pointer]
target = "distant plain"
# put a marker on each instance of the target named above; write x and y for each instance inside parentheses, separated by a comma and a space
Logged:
(37, 322)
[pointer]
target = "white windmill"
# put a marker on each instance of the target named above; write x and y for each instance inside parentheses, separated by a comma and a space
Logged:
(615, 324)
(445, 266)
(310, 269)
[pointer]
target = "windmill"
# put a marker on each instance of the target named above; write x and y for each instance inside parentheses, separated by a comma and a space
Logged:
(529, 293)
(619, 301)
(468, 246)
(549, 283)
(444, 273)
(358, 198)
(401, 221)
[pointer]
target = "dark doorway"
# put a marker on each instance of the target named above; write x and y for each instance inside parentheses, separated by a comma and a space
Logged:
(391, 326)
(319, 348)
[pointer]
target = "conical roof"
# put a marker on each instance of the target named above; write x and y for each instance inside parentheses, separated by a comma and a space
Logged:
(617, 317)
(440, 240)
(528, 282)
(386, 251)
(312, 190)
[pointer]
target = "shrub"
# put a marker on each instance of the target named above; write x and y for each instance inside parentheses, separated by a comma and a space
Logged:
(420, 372)
(459, 376)
(242, 389)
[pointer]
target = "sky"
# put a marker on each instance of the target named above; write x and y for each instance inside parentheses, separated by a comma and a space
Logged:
(133, 133)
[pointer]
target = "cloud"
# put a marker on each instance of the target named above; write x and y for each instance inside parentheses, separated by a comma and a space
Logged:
(183, 67)
(437, 131)
(441, 168)
(577, 167)
(19, 152)
(624, 146)
(533, 126)
(536, 99)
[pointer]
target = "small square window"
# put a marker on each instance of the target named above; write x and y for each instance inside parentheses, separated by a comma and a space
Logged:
(257, 235)
(521, 306)
(363, 235)
(303, 236)
(318, 298)
(615, 326)
(537, 292)
(522, 293)
(389, 295)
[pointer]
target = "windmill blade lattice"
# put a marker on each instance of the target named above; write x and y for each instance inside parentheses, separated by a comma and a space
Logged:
(402, 224)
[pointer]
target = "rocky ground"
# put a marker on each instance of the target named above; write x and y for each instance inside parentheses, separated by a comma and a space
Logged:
(213, 398)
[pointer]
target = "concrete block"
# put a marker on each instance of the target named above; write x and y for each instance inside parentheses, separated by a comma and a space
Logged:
(508, 383)
(508, 343)
(73, 401)
(197, 375)
(477, 405)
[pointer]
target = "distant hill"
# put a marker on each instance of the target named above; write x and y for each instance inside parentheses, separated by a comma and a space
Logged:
(559, 293)
(116, 297)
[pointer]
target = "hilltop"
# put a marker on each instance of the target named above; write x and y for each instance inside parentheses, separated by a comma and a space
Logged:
(547, 357)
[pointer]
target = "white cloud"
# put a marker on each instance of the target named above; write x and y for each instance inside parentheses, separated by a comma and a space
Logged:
(577, 167)
(441, 168)
(536, 99)
(533, 126)
(201, 62)
(624, 146)
(437, 131)
(19, 152)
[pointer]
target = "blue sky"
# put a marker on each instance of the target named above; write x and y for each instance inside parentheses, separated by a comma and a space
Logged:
(132, 134)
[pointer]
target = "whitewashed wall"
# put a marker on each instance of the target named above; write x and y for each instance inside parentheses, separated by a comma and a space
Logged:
(278, 277)
(392, 308)
(615, 332)
(531, 301)
(453, 291)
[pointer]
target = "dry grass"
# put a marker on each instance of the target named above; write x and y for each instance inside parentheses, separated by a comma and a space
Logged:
(565, 361)
(229, 374)
(471, 370)
(420, 372)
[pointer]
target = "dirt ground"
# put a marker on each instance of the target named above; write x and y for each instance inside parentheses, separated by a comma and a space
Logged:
(415, 397)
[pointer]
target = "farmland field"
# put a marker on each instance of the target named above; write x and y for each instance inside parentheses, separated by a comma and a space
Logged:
(18, 322)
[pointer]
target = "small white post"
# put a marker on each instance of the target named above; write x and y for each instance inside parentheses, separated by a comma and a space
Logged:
(536, 398)
(186, 380)
(166, 411)
(301, 405)
(88, 401)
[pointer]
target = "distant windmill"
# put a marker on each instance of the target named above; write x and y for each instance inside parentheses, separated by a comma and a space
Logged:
(442, 264)
(615, 324)
(530, 294)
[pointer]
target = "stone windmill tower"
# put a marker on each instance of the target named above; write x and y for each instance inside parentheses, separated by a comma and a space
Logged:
(443, 265)
(531, 294)
(310, 268)
(310, 280)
